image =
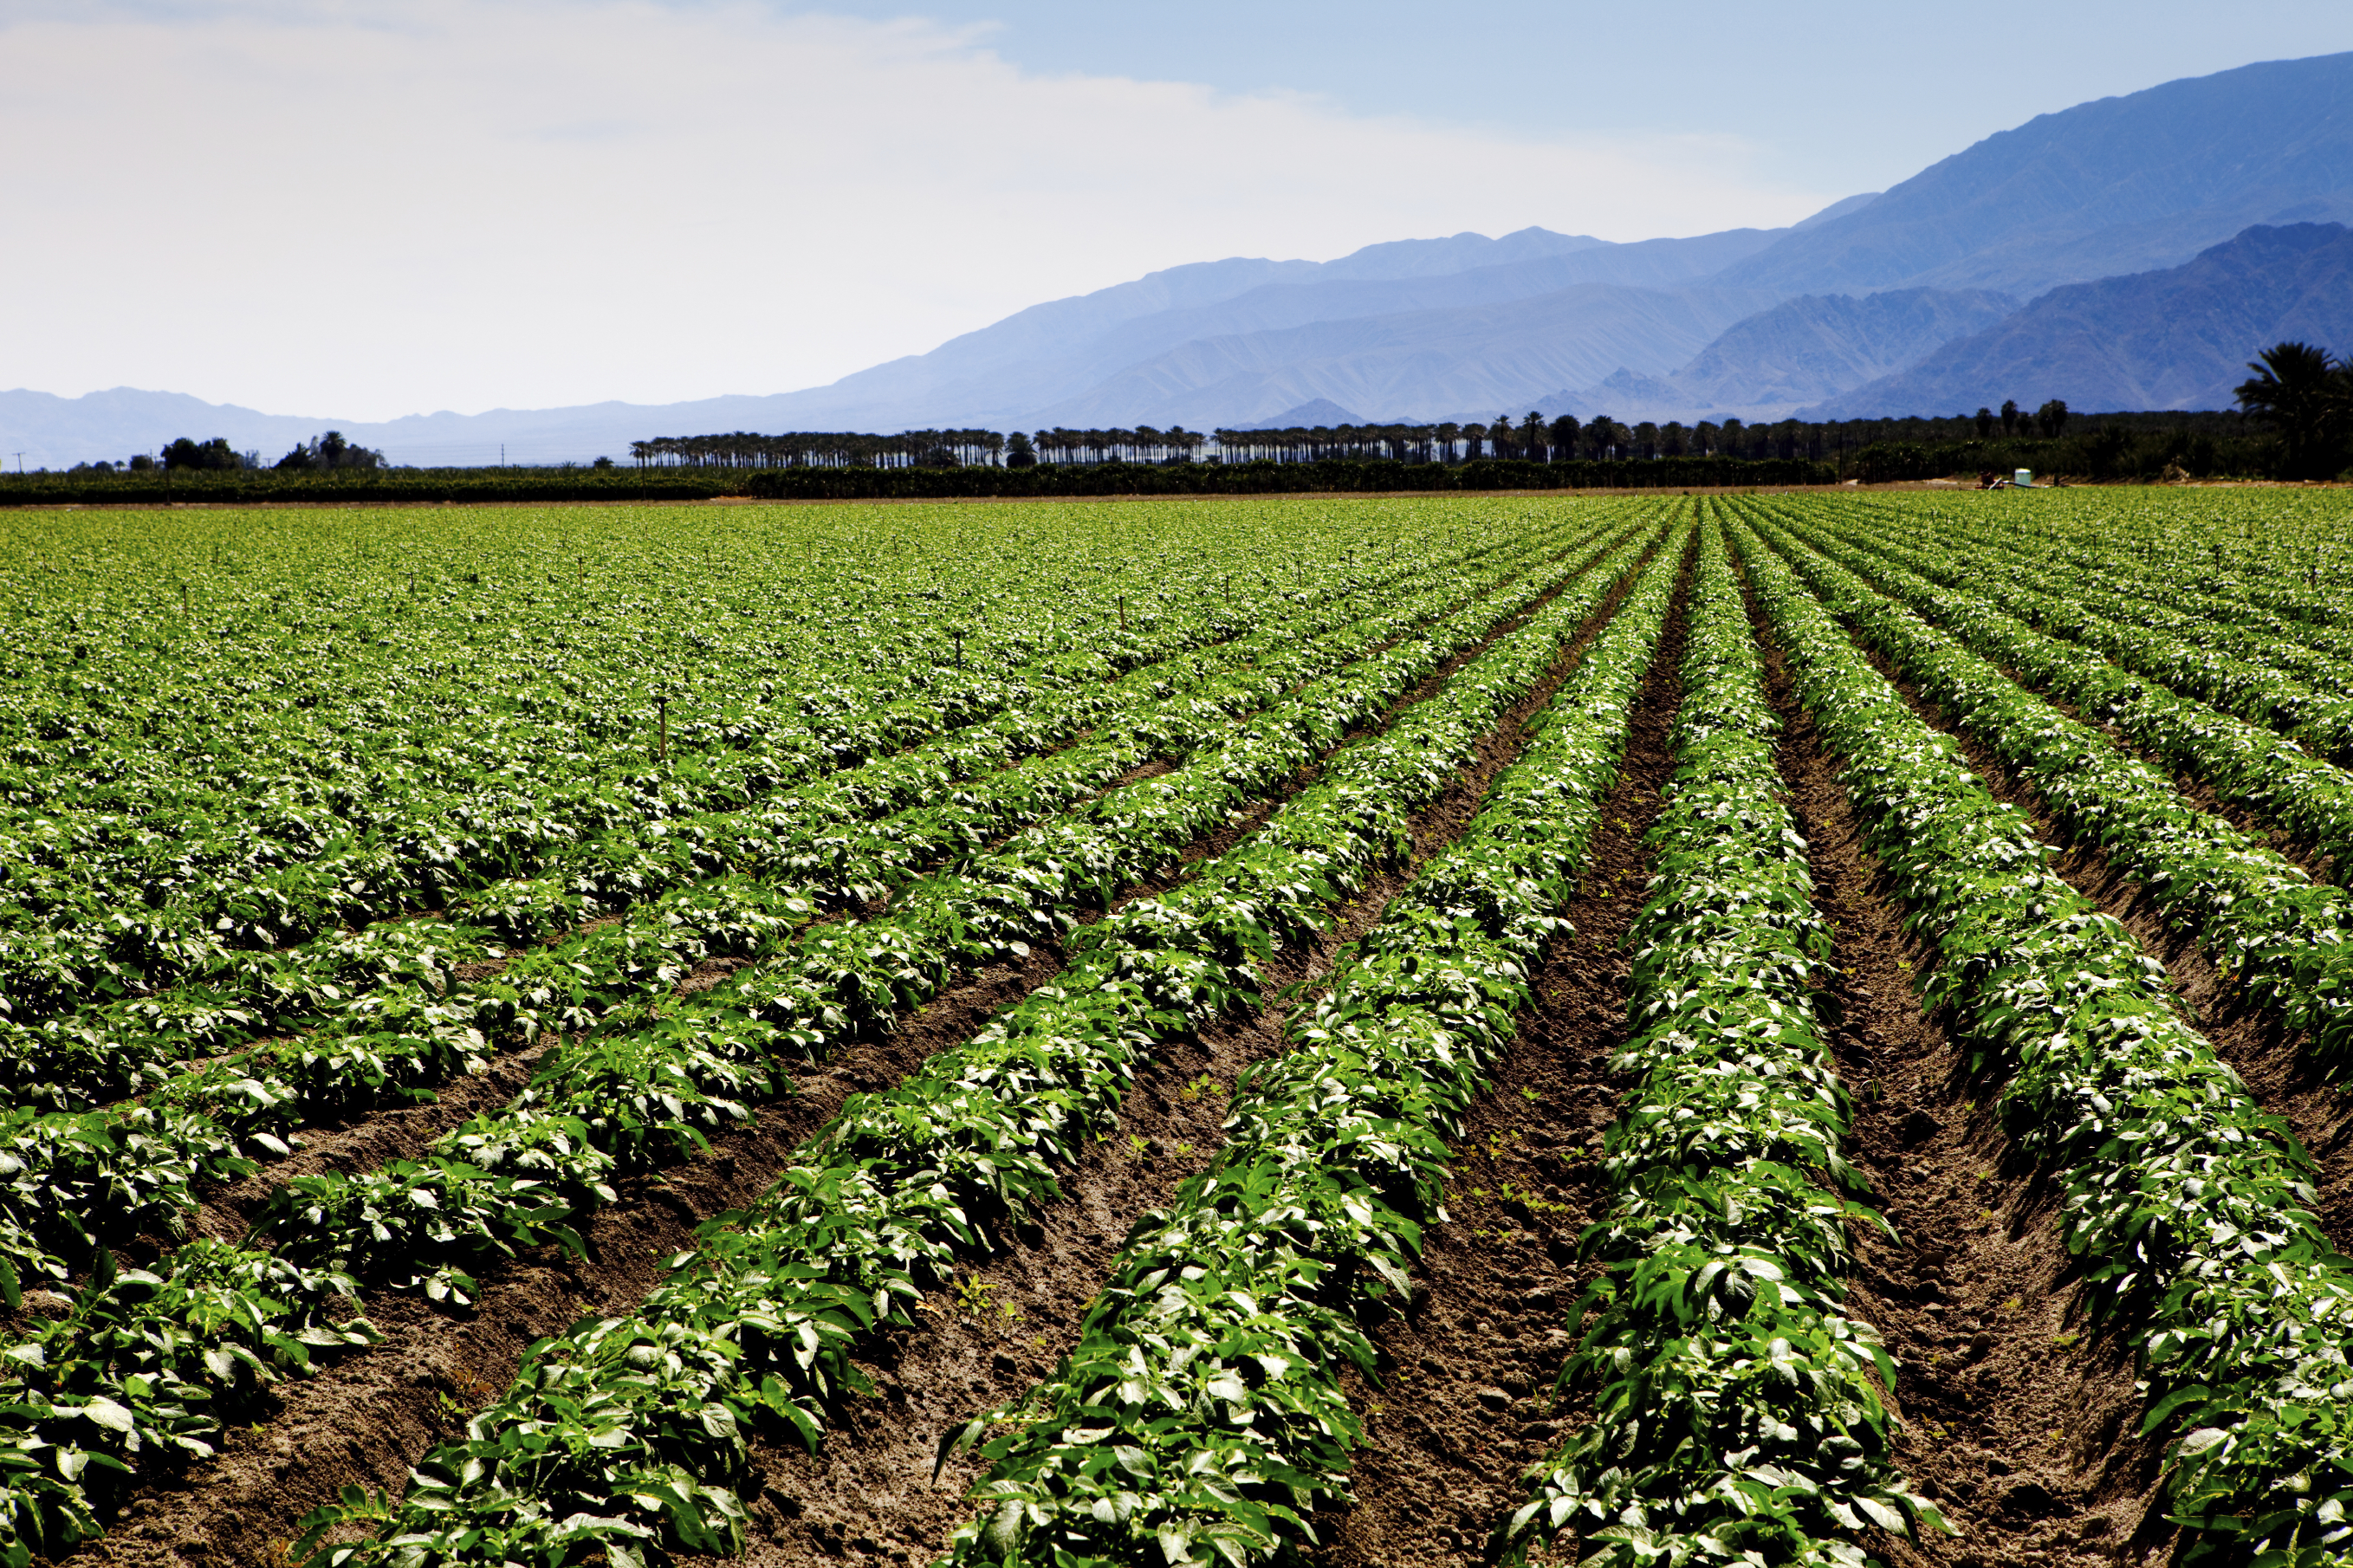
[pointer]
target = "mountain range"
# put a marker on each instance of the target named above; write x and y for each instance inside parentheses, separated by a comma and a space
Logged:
(2175, 338)
(2130, 252)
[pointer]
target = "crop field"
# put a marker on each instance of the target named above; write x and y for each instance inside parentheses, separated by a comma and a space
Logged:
(1780, 1029)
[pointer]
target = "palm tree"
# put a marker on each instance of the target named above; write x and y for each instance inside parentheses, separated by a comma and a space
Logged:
(2299, 389)
(1564, 431)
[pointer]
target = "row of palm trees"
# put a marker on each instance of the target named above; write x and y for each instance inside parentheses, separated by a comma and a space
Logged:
(822, 449)
(1534, 439)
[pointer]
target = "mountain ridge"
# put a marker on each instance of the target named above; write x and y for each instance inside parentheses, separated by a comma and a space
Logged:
(2175, 338)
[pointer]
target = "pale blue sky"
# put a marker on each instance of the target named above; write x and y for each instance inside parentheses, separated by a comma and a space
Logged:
(1844, 95)
(367, 208)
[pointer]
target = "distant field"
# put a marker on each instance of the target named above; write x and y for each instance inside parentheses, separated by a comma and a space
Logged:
(1362, 1031)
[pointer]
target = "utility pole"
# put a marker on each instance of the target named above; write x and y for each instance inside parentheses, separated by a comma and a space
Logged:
(20, 464)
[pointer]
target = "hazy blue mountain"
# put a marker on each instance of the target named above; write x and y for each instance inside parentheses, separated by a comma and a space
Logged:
(1306, 416)
(1416, 365)
(56, 432)
(1799, 351)
(1815, 345)
(2178, 338)
(2119, 185)
(1465, 325)
(1037, 364)
(1629, 397)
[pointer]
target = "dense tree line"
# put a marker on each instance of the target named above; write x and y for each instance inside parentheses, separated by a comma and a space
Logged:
(328, 452)
(2294, 421)
(813, 482)
(822, 449)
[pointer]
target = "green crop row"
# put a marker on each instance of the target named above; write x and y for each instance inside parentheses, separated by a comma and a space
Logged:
(201, 882)
(1739, 1415)
(626, 1433)
(808, 838)
(1201, 1417)
(2249, 656)
(2258, 916)
(649, 1085)
(2187, 1208)
(2242, 761)
(2251, 690)
(63, 1170)
(2248, 555)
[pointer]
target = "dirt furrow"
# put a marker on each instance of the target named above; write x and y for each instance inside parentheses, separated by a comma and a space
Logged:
(1465, 1397)
(367, 1419)
(2017, 1423)
(2279, 1069)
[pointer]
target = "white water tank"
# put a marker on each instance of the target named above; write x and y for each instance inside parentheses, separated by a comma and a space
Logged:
(2025, 479)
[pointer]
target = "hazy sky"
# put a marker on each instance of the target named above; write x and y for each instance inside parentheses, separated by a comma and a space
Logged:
(367, 210)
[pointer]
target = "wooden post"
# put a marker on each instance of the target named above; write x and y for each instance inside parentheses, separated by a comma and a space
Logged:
(663, 753)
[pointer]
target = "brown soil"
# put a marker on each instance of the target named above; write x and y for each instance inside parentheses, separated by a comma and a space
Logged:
(366, 1419)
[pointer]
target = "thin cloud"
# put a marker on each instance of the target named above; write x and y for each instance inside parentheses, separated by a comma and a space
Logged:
(369, 212)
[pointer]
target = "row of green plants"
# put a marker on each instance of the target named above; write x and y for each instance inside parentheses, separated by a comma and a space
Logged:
(822, 838)
(177, 833)
(2243, 763)
(2279, 550)
(1202, 1418)
(1739, 1414)
(2187, 1208)
(2242, 658)
(649, 1082)
(212, 1119)
(1330, 476)
(2259, 916)
(2251, 689)
(628, 1432)
(2187, 575)
(345, 487)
